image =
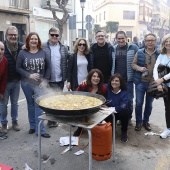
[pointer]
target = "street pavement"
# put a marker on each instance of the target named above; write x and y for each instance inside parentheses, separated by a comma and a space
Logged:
(139, 153)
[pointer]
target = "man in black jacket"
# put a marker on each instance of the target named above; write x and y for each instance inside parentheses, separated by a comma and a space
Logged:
(101, 55)
(12, 48)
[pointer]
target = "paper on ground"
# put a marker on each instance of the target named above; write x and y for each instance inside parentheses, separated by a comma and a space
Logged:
(79, 152)
(65, 140)
(27, 167)
(151, 134)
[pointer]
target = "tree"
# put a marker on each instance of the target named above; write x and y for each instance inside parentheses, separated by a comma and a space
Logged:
(96, 27)
(62, 5)
(112, 27)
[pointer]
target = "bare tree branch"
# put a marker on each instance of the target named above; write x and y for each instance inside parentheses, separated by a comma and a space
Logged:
(62, 5)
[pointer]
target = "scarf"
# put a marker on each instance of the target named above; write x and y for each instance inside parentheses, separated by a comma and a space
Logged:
(13, 49)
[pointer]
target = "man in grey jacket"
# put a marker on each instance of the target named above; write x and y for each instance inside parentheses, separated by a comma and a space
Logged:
(58, 54)
(122, 59)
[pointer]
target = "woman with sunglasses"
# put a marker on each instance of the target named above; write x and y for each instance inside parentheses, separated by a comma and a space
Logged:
(78, 64)
(34, 67)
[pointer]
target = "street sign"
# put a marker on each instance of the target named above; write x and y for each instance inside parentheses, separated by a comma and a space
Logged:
(72, 22)
(88, 18)
(89, 22)
(88, 26)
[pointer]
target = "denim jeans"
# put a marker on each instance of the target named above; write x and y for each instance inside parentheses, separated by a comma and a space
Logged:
(123, 116)
(34, 111)
(141, 90)
(167, 109)
(130, 92)
(12, 91)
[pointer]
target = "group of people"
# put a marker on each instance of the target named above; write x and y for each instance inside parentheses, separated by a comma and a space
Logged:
(101, 68)
(35, 66)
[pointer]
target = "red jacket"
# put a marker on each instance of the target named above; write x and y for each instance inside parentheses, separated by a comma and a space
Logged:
(84, 87)
(3, 74)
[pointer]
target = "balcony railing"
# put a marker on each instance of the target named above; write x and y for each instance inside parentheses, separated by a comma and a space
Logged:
(20, 4)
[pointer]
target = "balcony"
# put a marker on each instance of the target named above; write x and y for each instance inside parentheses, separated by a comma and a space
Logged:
(19, 4)
(16, 7)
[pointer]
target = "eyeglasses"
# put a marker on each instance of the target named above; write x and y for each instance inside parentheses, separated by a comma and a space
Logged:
(168, 42)
(56, 35)
(150, 41)
(81, 44)
(100, 36)
(11, 35)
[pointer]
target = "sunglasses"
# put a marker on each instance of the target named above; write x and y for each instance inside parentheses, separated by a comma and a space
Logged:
(81, 44)
(56, 35)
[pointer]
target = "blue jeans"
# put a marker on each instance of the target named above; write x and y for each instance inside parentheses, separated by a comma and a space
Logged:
(141, 90)
(130, 92)
(34, 111)
(12, 91)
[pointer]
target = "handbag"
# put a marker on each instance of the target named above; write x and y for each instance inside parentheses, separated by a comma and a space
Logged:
(163, 70)
(152, 88)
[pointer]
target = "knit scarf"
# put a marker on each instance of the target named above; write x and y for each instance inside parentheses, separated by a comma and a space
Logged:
(12, 49)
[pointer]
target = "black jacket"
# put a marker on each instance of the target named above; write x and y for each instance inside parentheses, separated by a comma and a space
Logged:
(12, 73)
(72, 70)
(110, 50)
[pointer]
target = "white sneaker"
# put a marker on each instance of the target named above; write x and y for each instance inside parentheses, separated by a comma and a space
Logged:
(165, 134)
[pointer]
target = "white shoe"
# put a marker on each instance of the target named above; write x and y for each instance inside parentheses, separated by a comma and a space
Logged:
(165, 134)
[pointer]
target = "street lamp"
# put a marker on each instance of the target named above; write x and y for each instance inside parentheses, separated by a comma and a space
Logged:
(82, 4)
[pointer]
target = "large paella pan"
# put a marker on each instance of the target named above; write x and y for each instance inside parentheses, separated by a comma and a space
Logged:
(71, 104)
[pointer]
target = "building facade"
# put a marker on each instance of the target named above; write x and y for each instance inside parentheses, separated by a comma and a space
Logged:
(135, 17)
(16, 13)
(29, 16)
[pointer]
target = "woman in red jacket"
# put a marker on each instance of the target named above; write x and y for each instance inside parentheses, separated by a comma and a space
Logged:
(3, 79)
(3, 70)
(94, 84)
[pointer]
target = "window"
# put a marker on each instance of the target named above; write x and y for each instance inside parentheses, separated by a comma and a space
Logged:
(1, 36)
(150, 13)
(129, 35)
(22, 4)
(104, 15)
(129, 15)
(100, 17)
(141, 10)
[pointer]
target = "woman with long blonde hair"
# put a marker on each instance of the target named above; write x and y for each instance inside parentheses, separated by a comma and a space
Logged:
(78, 64)
(164, 59)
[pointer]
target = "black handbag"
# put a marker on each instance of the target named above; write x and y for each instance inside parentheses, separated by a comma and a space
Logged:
(163, 70)
(152, 88)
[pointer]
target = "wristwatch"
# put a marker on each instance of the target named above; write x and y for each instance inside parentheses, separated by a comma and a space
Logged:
(163, 79)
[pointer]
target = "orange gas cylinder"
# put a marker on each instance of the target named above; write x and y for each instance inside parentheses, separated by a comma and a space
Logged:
(102, 141)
